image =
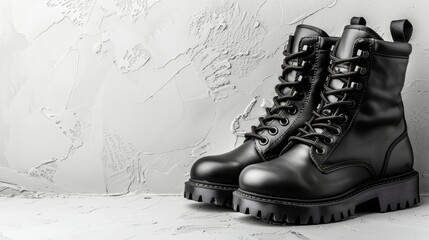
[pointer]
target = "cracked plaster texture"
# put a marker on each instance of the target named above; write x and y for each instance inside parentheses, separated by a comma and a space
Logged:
(115, 96)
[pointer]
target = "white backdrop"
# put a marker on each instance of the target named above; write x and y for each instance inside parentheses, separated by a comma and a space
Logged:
(112, 96)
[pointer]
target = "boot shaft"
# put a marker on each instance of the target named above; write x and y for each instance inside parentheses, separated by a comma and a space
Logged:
(299, 88)
(375, 133)
(353, 151)
(319, 61)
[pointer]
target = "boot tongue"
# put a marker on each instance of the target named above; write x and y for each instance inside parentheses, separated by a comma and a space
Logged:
(350, 35)
(302, 31)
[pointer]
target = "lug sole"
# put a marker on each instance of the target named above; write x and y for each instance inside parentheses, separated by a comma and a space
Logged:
(385, 195)
(216, 194)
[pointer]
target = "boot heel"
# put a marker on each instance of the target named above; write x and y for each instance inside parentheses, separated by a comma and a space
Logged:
(400, 195)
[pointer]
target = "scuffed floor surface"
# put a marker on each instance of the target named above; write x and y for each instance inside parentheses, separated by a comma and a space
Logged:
(173, 217)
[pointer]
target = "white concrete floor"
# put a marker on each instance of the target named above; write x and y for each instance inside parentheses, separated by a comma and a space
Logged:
(173, 217)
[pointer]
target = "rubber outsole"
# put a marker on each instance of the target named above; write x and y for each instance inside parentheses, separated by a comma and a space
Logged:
(384, 196)
(216, 194)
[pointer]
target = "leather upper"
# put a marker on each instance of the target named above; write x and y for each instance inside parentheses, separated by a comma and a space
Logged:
(294, 175)
(225, 168)
(378, 117)
(371, 144)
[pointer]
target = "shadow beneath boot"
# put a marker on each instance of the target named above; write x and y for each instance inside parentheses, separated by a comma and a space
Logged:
(246, 219)
(207, 207)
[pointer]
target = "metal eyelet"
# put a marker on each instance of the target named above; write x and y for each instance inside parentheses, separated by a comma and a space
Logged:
(273, 131)
(320, 151)
(355, 85)
(363, 54)
(284, 122)
(360, 70)
(292, 111)
(345, 118)
(352, 104)
(330, 141)
(337, 131)
(297, 94)
(326, 112)
(263, 141)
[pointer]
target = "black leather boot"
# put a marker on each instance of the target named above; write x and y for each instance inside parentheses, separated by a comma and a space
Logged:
(214, 178)
(354, 150)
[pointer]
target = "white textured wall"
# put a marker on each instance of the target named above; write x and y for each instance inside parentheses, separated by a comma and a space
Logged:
(123, 95)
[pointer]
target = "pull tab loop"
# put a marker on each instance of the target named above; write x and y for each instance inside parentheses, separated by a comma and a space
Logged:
(358, 21)
(401, 30)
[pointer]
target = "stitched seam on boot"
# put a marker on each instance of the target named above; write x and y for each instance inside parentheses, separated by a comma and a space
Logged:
(408, 178)
(211, 186)
(333, 167)
(389, 151)
(259, 151)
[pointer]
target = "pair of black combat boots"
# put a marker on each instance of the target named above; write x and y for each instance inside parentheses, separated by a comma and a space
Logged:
(335, 138)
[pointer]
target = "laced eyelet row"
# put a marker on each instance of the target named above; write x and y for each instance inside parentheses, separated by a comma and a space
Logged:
(301, 62)
(325, 116)
(273, 131)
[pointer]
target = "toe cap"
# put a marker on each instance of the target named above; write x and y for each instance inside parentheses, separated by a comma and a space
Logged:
(225, 168)
(264, 179)
(216, 170)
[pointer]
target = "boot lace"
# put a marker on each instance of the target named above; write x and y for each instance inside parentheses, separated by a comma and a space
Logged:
(328, 114)
(283, 101)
